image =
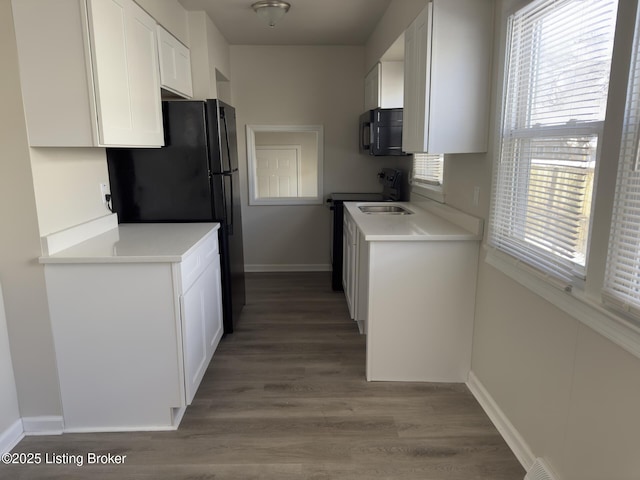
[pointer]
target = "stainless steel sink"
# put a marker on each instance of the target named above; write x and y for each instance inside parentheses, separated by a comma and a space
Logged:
(384, 209)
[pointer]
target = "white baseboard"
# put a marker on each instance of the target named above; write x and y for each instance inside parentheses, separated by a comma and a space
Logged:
(11, 436)
(45, 425)
(287, 268)
(516, 443)
(132, 428)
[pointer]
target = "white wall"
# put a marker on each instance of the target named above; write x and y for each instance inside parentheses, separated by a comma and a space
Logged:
(394, 22)
(9, 412)
(67, 186)
(21, 276)
(301, 86)
(571, 394)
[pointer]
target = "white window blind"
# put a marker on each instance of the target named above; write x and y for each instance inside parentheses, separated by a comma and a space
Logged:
(556, 82)
(622, 278)
(427, 169)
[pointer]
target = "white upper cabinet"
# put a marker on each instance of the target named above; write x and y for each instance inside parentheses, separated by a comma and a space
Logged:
(89, 73)
(384, 85)
(447, 70)
(175, 64)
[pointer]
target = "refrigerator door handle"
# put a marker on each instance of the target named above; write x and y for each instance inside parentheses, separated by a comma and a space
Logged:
(227, 206)
(224, 197)
(231, 206)
(226, 136)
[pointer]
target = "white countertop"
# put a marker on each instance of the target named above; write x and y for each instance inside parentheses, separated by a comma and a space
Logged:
(137, 243)
(422, 225)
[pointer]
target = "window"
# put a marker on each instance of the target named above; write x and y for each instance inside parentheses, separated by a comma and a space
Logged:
(285, 164)
(427, 169)
(556, 83)
(622, 278)
(427, 176)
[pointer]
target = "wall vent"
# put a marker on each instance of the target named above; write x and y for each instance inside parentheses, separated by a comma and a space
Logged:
(540, 470)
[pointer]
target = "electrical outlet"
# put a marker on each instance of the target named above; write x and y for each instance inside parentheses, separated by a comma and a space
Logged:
(476, 196)
(104, 191)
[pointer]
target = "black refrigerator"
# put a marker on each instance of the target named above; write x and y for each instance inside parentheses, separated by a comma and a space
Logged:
(193, 178)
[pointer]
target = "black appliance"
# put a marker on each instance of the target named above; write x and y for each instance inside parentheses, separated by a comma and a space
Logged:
(381, 132)
(193, 178)
(395, 188)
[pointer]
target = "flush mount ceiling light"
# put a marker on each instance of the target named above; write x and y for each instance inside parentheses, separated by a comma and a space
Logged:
(271, 10)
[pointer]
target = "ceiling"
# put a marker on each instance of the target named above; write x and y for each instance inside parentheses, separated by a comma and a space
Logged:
(308, 22)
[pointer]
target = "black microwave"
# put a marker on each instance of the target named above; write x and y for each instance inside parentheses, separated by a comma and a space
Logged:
(381, 132)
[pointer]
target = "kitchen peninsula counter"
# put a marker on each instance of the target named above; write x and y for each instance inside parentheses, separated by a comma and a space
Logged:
(137, 243)
(410, 284)
(136, 316)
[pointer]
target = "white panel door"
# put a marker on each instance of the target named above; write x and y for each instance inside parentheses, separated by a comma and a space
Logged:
(277, 171)
(126, 74)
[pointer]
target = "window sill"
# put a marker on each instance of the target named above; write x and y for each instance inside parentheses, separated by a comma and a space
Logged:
(284, 201)
(611, 326)
(428, 191)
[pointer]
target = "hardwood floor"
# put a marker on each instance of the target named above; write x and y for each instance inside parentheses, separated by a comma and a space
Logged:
(285, 398)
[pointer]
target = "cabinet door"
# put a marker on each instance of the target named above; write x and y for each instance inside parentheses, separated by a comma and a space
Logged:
(460, 74)
(125, 74)
(416, 83)
(349, 264)
(175, 64)
(372, 88)
(213, 307)
(57, 90)
(410, 108)
(202, 326)
(346, 261)
(362, 283)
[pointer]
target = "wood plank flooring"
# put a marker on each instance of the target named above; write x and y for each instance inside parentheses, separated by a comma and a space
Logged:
(285, 398)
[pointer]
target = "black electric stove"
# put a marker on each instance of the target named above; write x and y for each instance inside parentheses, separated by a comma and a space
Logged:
(395, 188)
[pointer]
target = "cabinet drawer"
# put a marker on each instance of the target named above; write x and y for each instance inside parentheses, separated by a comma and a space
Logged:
(195, 263)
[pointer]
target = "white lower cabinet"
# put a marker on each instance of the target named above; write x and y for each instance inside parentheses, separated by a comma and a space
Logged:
(415, 303)
(133, 338)
(420, 300)
(411, 288)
